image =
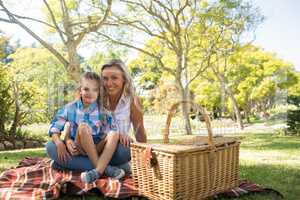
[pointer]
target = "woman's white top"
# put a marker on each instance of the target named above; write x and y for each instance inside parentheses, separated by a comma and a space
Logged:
(122, 115)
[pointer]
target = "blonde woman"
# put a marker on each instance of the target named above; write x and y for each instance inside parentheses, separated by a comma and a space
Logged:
(118, 97)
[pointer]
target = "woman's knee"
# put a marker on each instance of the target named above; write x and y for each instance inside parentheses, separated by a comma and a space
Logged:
(51, 150)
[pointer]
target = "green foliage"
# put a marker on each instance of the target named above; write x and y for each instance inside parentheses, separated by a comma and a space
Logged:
(206, 93)
(147, 71)
(96, 61)
(33, 85)
(5, 100)
(293, 122)
(293, 116)
(3, 46)
(256, 77)
(42, 81)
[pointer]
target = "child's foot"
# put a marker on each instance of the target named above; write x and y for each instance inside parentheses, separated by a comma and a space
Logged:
(90, 176)
(114, 172)
(126, 167)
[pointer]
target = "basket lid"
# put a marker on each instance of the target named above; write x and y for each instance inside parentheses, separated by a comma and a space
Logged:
(198, 143)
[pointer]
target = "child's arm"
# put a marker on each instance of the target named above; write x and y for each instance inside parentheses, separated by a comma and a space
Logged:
(69, 142)
(57, 125)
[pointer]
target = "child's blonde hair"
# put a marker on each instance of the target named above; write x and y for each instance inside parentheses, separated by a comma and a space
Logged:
(87, 76)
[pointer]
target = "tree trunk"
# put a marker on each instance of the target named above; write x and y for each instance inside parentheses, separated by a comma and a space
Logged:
(236, 109)
(15, 124)
(223, 99)
(185, 111)
(231, 96)
(184, 90)
(247, 116)
(247, 113)
(13, 128)
(74, 62)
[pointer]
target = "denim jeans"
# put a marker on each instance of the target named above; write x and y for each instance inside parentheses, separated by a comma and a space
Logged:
(83, 163)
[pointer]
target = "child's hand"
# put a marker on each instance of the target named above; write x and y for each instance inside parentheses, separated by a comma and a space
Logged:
(62, 153)
(125, 139)
(71, 146)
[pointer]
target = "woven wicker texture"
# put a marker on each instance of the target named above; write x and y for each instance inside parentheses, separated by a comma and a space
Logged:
(201, 167)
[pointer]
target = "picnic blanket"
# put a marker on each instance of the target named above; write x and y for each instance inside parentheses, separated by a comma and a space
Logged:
(246, 187)
(35, 179)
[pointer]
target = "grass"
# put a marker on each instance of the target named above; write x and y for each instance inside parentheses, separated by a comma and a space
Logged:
(270, 160)
(10, 159)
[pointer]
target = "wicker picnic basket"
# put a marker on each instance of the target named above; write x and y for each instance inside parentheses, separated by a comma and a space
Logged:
(196, 169)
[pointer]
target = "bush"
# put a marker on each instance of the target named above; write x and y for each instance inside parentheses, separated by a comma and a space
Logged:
(293, 121)
(293, 116)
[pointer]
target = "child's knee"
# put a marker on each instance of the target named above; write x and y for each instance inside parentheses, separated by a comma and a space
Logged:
(84, 128)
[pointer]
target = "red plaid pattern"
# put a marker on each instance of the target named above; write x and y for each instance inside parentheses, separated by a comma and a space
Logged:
(35, 179)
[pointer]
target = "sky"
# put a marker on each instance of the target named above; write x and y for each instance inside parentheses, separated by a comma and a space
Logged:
(279, 33)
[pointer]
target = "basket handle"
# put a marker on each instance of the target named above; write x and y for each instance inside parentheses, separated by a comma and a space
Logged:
(149, 158)
(202, 110)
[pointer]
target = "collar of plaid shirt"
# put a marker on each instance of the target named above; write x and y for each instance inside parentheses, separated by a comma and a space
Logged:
(89, 109)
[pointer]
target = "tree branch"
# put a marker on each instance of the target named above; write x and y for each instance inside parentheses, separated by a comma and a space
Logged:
(140, 50)
(54, 22)
(97, 26)
(45, 44)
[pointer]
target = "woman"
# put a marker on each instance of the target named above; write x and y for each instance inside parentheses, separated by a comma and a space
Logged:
(118, 97)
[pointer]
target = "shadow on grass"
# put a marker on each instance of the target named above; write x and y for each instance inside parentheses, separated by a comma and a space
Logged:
(284, 179)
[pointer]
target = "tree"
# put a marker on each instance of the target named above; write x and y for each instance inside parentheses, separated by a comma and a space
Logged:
(230, 21)
(257, 77)
(173, 26)
(5, 100)
(70, 21)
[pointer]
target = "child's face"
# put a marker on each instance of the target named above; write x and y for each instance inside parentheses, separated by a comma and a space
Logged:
(89, 91)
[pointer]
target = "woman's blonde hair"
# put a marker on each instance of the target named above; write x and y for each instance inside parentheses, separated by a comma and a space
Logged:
(128, 88)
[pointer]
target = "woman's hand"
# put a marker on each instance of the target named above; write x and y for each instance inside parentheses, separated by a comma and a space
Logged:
(71, 146)
(62, 153)
(125, 139)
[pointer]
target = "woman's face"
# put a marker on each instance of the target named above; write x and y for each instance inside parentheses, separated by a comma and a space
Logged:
(113, 80)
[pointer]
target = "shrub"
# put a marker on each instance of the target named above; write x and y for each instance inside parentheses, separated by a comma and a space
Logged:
(293, 116)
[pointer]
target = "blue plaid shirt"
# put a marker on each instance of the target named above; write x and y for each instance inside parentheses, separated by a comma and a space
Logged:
(74, 113)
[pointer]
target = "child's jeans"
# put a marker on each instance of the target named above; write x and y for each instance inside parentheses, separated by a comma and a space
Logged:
(83, 163)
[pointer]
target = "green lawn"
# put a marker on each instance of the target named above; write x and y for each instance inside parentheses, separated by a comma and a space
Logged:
(267, 159)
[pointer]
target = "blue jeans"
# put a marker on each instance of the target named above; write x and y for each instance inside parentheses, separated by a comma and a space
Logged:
(83, 163)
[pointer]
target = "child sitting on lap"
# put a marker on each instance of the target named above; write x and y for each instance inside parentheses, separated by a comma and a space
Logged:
(90, 131)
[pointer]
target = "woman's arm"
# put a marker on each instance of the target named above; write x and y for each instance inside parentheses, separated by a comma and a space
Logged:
(137, 119)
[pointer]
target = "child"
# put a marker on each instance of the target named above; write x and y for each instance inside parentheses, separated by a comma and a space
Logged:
(90, 131)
